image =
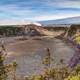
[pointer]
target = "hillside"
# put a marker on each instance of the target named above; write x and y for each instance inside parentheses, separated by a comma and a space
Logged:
(71, 20)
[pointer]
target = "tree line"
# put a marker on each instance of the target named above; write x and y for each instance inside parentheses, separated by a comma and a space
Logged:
(10, 31)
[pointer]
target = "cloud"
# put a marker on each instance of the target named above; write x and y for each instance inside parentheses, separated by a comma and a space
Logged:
(13, 22)
(14, 9)
(63, 3)
(39, 9)
(11, 11)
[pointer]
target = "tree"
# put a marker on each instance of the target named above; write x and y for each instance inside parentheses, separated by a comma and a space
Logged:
(14, 65)
(47, 62)
(3, 74)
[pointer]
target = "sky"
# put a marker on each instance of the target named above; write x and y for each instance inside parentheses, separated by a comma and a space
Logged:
(38, 10)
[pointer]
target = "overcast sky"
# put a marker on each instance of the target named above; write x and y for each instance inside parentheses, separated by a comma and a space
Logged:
(38, 10)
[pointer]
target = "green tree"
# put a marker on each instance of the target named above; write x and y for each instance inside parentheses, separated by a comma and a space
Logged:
(3, 75)
(14, 65)
(2, 68)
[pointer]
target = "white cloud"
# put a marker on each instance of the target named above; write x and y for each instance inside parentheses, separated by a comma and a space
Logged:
(13, 22)
(26, 13)
(63, 3)
(15, 10)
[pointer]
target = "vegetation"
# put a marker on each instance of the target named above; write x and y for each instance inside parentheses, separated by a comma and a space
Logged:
(8, 71)
(76, 38)
(10, 30)
(2, 68)
(3, 74)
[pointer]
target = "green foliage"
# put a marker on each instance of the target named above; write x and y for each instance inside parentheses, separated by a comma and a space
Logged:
(9, 30)
(2, 68)
(53, 73)
(14, 64)
(77, 38)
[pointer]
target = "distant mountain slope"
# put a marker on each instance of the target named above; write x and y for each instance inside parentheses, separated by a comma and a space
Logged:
(71, 20)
